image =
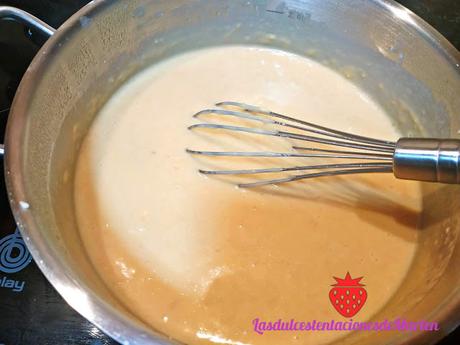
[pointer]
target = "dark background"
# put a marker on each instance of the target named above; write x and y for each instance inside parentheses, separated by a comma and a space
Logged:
(39, 316)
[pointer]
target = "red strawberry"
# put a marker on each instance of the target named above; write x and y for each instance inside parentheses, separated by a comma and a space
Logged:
(348, 295)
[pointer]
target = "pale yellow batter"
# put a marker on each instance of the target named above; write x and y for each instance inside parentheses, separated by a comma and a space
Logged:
(199, 259)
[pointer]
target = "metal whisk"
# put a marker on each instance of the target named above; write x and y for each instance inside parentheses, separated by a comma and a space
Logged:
(422, 159)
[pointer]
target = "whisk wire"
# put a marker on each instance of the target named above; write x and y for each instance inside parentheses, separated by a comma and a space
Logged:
(295, 168)
(363, 149)
(328, 132)
(315, 175)
(253, 109)
(286, 154)
(290, 135)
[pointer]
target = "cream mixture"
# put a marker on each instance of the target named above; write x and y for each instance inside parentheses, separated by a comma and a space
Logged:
(199, 259)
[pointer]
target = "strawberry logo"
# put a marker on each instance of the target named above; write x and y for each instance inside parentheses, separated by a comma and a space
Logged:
(348, 295)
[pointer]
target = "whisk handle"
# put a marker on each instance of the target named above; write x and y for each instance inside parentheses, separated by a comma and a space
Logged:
(422, 159)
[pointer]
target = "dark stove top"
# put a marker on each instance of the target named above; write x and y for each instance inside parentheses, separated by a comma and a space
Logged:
(31, 311)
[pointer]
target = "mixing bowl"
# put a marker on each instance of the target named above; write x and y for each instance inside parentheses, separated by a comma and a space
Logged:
(403, 63)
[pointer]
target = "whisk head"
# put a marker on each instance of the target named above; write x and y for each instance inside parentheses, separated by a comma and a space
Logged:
(354, 154)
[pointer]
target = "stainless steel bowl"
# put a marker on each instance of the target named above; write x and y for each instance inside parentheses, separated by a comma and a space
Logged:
(410, 69)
